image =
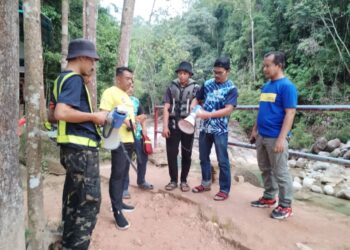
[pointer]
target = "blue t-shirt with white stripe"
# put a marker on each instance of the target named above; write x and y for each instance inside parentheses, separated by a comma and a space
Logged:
(275, 97)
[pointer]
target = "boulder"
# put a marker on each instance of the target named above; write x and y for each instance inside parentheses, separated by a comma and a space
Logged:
(316, 189)
(344, 194)
(302, 174)
(297, 179)
(335, 153)
(319, 145)
(292, 163)
(333, 144)
(331, 180)
(301, 163)
(239, 178)
(328, 190)
(307, 182)
(54, 167)
(296, 186)
(324, 153)
(320, 166)
(347, 155)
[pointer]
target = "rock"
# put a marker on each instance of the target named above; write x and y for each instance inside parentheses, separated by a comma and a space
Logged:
(296, 186)
(344, 194)
(335, 170)
(319, 145)
(302, 174)
(302, 246)
(324, 153)
(342, 152)
(316, 189)
(317, 175)
(54, 167)
(292, 163)
(328, 190)
(335, 153)
(239, 178)
(297, 179)
(320, 166)
(307, 182)
(347, 155)
(331, 180)
(333, 144)
(301, 163)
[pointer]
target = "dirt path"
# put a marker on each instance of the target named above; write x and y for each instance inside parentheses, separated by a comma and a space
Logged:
(176, 220)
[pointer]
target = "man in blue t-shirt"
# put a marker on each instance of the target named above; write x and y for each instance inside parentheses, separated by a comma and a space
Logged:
(277, 106)
(218, 98)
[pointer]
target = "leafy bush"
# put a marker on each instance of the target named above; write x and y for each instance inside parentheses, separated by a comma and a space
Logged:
(300, 138)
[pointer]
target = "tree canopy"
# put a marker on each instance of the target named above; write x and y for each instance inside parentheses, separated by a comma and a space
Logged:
(314, 34)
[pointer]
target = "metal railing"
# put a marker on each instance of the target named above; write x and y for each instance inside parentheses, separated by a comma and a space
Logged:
(312, 108)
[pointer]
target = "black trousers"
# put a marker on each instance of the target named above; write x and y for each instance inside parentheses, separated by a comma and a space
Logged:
(120, 169)
(172, 149)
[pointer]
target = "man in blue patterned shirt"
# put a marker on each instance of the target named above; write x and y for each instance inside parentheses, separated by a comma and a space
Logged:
(218, 97)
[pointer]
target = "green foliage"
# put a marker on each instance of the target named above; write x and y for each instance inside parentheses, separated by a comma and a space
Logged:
(314, 34)
(246, 119)
(300, 137)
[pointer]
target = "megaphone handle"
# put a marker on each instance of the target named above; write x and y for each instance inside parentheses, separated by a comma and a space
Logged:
(109, 131)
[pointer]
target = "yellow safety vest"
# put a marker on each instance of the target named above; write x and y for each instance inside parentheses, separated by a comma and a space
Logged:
(62, 136)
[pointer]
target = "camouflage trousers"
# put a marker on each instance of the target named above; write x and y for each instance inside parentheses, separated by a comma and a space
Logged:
(81, 196)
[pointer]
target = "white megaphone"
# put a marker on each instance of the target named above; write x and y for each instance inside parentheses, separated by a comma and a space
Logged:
(187, 125)
(110, 132)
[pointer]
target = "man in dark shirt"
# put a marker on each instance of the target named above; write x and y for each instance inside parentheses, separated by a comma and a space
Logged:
(177, 100)
(78, 137)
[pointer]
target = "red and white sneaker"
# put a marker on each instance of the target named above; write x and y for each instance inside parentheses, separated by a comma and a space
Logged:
(281, 213)
(263, 202)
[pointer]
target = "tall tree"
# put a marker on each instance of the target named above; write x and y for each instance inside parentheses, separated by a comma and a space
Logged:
(11, 197)
(64, 33)
(125, 35)
(33, 98)
(90, 12)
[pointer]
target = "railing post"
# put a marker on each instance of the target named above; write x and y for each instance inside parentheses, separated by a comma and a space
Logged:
(155, 126)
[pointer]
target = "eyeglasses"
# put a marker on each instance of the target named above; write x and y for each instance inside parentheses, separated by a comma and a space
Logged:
(219, 73)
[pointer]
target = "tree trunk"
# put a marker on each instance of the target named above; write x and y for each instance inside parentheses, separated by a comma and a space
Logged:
(90, 13)
(125, 35)
(252, 39)
(11, 196)
(64, 32)
(34, 89)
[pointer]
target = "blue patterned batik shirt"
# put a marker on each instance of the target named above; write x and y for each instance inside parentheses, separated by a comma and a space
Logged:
(216, 96)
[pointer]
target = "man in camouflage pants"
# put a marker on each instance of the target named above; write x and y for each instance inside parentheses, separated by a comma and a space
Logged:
(78, 137)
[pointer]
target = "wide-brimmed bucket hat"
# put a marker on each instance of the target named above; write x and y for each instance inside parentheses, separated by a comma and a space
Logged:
(185, 66)
(82, 47)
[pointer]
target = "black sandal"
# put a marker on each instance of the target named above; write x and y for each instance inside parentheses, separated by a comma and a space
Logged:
(171, 186)
(146, 186)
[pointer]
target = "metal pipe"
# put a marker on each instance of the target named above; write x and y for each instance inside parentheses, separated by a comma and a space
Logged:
(340, 161)
(299, 107)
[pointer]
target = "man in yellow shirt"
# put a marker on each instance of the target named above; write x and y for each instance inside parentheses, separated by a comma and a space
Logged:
(111, 98)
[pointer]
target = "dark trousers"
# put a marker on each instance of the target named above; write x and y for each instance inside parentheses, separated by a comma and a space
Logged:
(172, 150)
(81, 196)
(120, 170)
(142, 159)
